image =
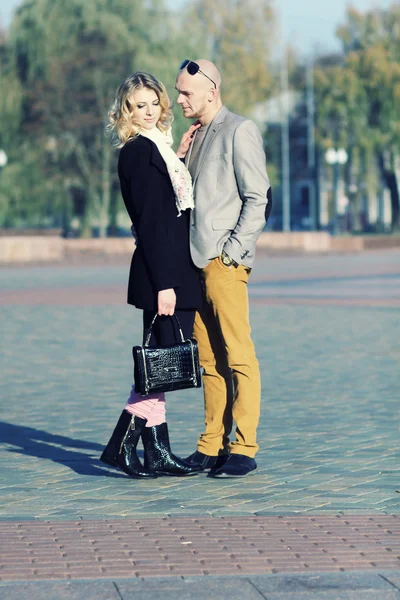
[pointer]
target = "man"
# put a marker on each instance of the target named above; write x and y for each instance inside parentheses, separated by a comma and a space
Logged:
(232, 203)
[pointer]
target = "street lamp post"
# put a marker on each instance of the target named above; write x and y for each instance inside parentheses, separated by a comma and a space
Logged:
(335, 158)
(311, 163)
(285, 142)
(3, 159)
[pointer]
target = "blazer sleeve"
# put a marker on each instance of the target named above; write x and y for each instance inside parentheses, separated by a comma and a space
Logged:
(147, 186)
(249, 163)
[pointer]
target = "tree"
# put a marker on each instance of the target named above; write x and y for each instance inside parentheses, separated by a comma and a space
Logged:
(238, 36)
(359, 98)
(60, 66)
(69, 59)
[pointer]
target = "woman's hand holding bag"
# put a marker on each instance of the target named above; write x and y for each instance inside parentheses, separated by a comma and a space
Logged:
(166, 302)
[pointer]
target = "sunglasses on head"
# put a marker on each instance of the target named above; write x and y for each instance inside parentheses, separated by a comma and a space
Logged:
(193, 68)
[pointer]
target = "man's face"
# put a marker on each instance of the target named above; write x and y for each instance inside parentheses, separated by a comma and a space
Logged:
(192, 95)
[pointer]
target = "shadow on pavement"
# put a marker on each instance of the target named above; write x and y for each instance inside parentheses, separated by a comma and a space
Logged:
(55, 447)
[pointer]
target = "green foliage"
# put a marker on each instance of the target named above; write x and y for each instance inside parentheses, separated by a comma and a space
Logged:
(68, 60)
(238, 37)
(60, 66)
(26, 198)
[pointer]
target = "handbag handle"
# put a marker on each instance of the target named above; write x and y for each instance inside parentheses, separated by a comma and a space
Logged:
(147, 342)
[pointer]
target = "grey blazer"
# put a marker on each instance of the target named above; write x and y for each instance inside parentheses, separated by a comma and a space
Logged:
(231, 191)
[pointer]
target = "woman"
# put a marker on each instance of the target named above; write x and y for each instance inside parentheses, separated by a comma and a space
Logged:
(157, 191)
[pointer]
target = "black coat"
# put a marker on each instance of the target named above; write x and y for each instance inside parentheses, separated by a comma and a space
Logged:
(162, 257)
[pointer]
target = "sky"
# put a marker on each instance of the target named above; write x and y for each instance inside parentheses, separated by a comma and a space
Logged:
(309, 25)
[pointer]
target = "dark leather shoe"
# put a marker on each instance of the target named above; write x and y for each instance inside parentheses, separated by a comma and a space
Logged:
(206, 462)
(237, 465)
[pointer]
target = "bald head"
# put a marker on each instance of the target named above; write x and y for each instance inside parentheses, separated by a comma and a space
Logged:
(210, 70)
(197, 95)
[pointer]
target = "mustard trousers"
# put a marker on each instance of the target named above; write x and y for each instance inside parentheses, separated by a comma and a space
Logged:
(231, 376)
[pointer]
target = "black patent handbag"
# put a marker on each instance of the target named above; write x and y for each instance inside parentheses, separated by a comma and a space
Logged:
(175, 367)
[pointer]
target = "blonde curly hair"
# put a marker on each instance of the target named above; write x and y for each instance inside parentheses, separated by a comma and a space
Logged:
(121, 127)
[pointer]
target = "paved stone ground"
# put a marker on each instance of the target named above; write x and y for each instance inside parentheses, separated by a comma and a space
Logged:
(327, 335)
(197, 546)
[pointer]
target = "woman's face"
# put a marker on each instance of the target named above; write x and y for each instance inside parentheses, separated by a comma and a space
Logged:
(146, 108)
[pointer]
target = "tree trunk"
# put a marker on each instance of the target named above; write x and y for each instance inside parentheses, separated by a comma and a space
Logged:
(105, 187)
(395, 198)
(92, 201)
(391, 176)
(352, 192)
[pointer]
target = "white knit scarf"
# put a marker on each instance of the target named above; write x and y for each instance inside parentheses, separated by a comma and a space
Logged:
(178, 173)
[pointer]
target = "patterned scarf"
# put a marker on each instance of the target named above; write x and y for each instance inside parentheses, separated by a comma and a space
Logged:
(178, 173)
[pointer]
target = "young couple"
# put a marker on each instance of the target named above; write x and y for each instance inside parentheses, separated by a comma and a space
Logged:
(197, 214)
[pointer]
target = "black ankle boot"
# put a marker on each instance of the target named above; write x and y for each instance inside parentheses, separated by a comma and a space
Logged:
(158, 456)
(121, 449)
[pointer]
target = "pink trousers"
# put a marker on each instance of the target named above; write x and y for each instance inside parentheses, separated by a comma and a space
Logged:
(151, 407)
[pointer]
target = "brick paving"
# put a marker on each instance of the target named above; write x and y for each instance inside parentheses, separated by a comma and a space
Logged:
(327, 336)
(192, 547)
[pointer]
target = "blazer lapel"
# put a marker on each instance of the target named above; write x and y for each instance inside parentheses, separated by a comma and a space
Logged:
(210, 136)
